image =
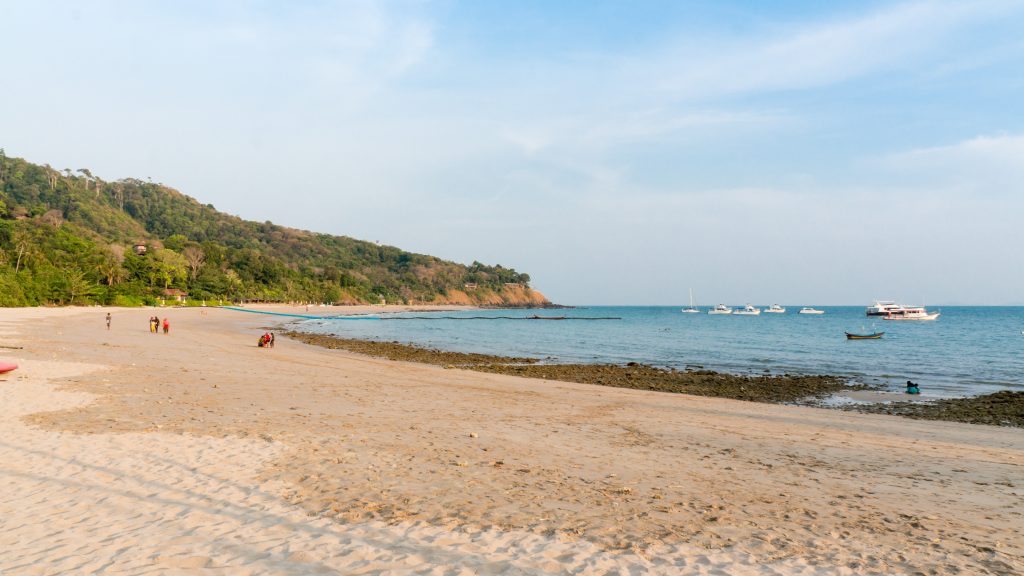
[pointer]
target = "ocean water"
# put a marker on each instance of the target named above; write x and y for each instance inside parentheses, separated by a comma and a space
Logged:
(966, 352)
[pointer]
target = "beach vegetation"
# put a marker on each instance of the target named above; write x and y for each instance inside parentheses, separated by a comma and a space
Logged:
(70, 237)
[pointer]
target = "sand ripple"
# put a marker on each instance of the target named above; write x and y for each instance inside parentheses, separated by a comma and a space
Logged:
(152, 503)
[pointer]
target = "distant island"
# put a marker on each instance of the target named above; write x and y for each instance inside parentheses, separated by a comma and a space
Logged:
(70, 238)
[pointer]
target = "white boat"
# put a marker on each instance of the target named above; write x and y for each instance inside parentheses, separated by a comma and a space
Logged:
(809, 310)
(882, 307)
(775, 309)
(748, 310)
(691, 309)
(911, 313)
(720, 309)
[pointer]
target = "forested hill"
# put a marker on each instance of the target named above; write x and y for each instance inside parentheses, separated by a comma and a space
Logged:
(68, 237)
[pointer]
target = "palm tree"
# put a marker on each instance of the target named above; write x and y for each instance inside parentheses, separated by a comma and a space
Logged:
(111, 270)
(88, 178)
(76, 284)
(51, 176)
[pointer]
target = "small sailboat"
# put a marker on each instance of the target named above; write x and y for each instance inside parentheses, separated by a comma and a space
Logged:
(691, 309)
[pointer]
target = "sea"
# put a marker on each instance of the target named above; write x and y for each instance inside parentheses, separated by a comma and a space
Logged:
(968, 351)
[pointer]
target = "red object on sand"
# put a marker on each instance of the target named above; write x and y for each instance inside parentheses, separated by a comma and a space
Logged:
(5, 367)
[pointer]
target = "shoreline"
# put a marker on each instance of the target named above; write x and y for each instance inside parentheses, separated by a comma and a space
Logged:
(1005, 408)
(923, 352)
(781, 389)
(382, 465)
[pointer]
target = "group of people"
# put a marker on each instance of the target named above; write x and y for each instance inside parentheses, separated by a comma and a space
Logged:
(154, 325)
(267, 340)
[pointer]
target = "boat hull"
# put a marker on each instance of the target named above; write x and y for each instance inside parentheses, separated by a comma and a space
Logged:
(919, 317)
(874, 336)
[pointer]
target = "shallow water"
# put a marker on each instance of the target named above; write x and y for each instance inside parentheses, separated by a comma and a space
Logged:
(967, 351)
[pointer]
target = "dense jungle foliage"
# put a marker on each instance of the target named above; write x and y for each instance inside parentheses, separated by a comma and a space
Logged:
(68, 237)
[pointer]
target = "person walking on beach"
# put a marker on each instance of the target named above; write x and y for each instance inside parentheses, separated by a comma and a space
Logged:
(167, 325)
(271, 341)
(152, 327)
(108, 320)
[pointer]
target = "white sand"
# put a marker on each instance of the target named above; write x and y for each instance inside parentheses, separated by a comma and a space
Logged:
(153, 503)
(746, 488)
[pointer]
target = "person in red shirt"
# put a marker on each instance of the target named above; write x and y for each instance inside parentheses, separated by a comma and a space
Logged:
(167, 325)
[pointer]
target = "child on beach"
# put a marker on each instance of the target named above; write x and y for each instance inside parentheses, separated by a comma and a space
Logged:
(108, 320)
(167, 325)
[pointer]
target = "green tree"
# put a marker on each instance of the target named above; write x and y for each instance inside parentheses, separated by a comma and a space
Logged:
(176, 242)
(76, 285)
(169, 268)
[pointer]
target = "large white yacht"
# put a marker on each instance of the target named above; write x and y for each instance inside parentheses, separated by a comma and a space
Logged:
(882, 307)
(748, 310)
(911, 313)
(809, 310)
(720, 309)
(775, 309)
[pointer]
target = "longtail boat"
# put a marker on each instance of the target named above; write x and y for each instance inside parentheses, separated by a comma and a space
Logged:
(872, 336)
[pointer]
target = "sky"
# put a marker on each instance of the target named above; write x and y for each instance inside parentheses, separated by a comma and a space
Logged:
(619, 152)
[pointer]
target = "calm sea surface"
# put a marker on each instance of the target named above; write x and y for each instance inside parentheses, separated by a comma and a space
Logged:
(967, 351)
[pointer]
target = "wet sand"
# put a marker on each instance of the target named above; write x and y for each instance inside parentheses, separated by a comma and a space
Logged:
(793, 389)
(199, 451)
(997, 409)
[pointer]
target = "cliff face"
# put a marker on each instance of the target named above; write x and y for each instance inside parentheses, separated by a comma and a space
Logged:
(513, 295)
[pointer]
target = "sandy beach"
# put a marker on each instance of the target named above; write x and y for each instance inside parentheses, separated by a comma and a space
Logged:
(197, 452)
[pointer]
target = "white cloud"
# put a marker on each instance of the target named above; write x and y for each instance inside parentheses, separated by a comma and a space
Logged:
(984, 164)
(818, 55)
(528, 140)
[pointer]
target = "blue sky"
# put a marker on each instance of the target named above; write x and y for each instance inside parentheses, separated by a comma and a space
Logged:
(619, 152)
